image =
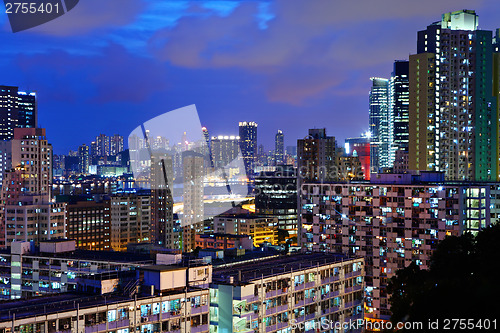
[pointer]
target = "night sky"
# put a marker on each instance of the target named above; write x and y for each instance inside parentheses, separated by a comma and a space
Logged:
(108, 66)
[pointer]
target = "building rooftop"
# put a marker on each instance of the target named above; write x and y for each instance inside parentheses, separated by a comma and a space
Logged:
(50, 304)
(251, 269)
(105, 256)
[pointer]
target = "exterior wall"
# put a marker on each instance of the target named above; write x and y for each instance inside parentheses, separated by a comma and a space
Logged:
(311, 296)
(422, 110)
(34, 222)
(390, 225)
(89, 224)
(130, 220)
(32, 275)
(261, 229)
(151, 314)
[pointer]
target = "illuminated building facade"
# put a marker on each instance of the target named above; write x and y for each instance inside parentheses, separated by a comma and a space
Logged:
(392, 221)
(279, 148)
(130, 220)
(248, 145)
(453, 112)
(360, 147)
(380, 124)
(297, 293)
(18, 109)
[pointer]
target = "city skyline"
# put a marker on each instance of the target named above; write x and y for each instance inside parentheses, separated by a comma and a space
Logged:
(77, 67)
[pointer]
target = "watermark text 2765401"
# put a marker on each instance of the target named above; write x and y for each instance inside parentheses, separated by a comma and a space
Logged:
(31, 7)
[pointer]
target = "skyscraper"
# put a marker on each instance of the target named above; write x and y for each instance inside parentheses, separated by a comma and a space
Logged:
(453, 112)
(102, 145)
(224, 150)
(248, 145)
(399, 99)
(115, 144)
(193, 210)
(380, 124)
(316, 157)
(17, 109)
(162, 202)
(279, 148)
(84, 157)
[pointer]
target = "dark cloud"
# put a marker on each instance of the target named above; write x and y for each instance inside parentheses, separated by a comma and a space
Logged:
(91, 15)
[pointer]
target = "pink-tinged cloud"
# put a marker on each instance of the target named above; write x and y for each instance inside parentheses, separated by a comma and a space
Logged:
(91, 15)
(309, 47)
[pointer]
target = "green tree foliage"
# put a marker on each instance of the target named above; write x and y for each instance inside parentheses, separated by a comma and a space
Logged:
(462, 282)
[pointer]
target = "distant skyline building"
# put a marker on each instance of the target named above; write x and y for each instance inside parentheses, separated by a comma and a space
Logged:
(279, 148)
(380, 124)
(193, 205)
(84, 158)
(316, 157)
(248, 145)
(18, 109)
(224, 149)
(399, 100)
(115, 144)
(162, 202)
(360, 147)
(453, 112)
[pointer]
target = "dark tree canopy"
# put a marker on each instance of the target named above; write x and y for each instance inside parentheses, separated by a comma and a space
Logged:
(463, 281)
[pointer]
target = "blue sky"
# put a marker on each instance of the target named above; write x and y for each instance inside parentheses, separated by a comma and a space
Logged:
(108, 66)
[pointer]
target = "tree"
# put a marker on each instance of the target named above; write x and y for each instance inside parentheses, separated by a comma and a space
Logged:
(461, 282)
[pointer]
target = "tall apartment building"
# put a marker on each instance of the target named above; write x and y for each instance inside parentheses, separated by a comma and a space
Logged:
(276, 195)
(297, 293)
(392, 221)
(102, 145)
(27, 211)
(380, 124)
(88, 223)
(31, 150)
(453, 112)
(84, 158)
(130, 220)
(279, 148)
(162, 202)
(224, 150)
(115, 144)
(248, 145)
(18, 109)
(399, 102)
(193, 210)
(316, 156)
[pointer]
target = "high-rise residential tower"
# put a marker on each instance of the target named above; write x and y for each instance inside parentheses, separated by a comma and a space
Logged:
(279, 148)
(17, 109)
(248, 145)
(380, 124)
(84, 158)
(453, 112)
(399, 99)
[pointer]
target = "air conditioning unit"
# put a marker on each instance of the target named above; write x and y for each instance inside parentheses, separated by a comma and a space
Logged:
(66, 326)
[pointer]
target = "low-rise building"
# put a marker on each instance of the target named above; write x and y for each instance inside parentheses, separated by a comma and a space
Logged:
(260, 227)
(294, 293)
(55, 266)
